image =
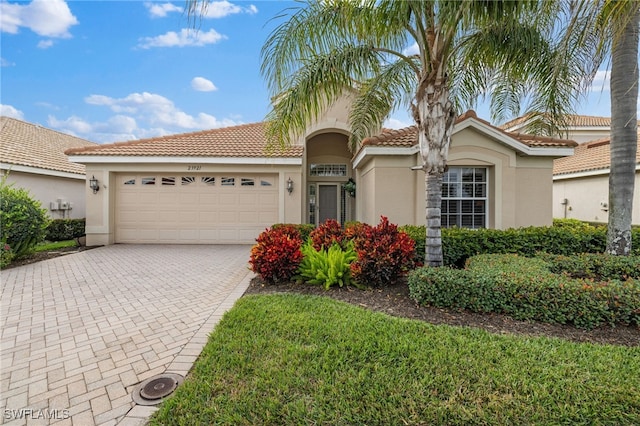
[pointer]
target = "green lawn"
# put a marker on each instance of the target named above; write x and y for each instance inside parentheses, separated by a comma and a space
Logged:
(304, 360)
(49, 246)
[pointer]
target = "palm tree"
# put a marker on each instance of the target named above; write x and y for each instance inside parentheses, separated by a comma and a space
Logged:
(464, 50)
(624, 129)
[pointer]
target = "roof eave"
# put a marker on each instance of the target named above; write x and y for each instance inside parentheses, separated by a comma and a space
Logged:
(120, 159)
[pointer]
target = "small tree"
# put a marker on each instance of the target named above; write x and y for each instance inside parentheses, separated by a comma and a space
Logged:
(23, 221)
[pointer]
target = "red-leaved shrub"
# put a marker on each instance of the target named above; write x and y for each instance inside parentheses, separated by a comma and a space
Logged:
(326, 234)
(276, 254)
(384, 253)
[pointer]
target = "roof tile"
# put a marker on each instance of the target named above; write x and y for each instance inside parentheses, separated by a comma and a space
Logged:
(245, 141)
(408, 137)
(588, 156)
(31, 145)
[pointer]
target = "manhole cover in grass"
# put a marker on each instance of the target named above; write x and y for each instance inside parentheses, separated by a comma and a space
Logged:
(154, 390)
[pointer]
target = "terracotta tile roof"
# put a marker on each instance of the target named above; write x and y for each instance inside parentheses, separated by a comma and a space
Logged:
(407, 137)
(573, 120)
(31, 145)
(247, 140)
(588, 156)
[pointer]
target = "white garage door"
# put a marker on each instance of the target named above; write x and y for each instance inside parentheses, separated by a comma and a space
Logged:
(194, 208)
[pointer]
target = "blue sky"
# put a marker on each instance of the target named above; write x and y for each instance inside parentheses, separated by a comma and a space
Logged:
(113, 71)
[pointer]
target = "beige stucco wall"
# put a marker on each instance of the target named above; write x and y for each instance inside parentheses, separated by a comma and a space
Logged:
(519, 193)
(387, 187)
(585, 198)
(101, 206)
(47, 189)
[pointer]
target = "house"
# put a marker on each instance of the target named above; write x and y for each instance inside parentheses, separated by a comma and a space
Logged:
(33, 158)
(579, 128)
(581, 183)
(226, 185)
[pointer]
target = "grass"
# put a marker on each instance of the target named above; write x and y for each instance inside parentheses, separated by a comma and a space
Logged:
(292, 359)
(49, 246)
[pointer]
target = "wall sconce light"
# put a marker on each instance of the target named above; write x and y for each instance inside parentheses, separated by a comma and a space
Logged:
(289, 186)
(94, 184)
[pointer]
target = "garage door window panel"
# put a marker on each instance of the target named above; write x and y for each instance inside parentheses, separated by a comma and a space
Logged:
(148, 181)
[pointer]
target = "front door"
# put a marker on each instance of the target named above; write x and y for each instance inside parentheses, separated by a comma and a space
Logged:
(327, 202)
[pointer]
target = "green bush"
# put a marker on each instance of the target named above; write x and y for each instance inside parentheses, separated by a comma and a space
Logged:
(65, 229)
(526, 289)
(326, 267)
(595, 266)
(567, 238)
(6, 255)
(23, 221)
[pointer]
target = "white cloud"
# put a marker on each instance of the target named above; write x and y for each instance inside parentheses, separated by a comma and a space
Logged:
(48, 18)
(601, 81)
(158, 10)
(395, 123)
(220, 9)
(201, 84)
(411, 50)
(9, 111)
(138, 115)
(185, 37)
(6, 63)
(45, 44)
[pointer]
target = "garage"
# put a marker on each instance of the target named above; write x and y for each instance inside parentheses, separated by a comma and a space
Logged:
(190, 208)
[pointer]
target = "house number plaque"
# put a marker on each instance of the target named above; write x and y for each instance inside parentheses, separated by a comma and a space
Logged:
(194, 167)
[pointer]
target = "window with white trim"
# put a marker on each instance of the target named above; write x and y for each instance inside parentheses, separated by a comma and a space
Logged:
(464, 197)
(328, 170)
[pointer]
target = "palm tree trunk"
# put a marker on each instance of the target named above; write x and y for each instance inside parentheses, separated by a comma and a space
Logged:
(435, 119)
(624, 137)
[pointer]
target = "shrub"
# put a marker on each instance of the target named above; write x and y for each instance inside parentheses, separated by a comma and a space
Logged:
(325, 235)
(525, 289)
(65, 229)
(6, 255)
(327, 267)
(384, 253)
(276, 254)
(22, 220)
(459, 244)
(595, 266)
(304, 229)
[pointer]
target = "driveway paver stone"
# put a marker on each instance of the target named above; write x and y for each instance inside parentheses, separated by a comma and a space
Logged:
(80, 331)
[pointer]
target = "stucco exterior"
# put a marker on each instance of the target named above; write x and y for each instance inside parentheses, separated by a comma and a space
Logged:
(516, 173)
(586, 197)
(48, 189)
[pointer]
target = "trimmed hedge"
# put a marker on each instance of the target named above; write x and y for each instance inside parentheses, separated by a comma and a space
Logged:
(565, 238)
(65, 229)
(526, 289)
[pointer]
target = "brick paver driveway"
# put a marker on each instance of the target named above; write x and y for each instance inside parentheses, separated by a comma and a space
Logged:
(79, 332)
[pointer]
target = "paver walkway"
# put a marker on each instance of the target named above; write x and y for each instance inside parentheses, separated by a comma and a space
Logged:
(79, 332)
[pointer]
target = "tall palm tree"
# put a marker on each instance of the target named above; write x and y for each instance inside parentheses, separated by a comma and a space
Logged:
(464, 50)
(624, 129)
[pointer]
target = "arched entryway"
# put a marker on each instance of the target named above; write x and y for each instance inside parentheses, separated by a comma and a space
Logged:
(328, 168)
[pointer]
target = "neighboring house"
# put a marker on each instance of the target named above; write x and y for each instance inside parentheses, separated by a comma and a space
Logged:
(580, 128)
(226, 186)
(581, 184)
(34, 159)
(581, 181)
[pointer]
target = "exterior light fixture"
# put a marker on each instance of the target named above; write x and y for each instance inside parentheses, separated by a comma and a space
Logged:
(94, 184)
(289, 186)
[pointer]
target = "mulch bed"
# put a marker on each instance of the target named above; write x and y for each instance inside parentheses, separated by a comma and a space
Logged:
(394, 300)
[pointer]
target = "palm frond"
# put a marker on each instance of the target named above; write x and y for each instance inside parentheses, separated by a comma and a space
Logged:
(384, 92)
(319, 82)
